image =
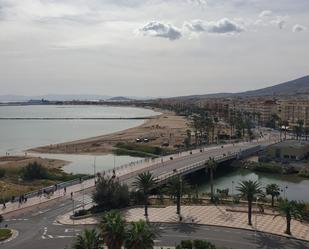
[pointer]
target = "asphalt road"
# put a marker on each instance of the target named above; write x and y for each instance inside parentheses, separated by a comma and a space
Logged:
(38, 229)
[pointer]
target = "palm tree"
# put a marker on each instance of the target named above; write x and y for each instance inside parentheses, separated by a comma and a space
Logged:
(144, 183)
(300, 128)
(113, 230)
(89, 239)
(211, 166)
(177, 187)
(249, 190)
(274, 191)
(291, 210)
(139, 235)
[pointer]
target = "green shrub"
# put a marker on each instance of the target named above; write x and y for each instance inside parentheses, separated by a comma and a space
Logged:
(267, 168)
(2, 173)
(203, 244)
(196, 244)
(110, 194)
(34, 171)
(304, 173)
(80, 212)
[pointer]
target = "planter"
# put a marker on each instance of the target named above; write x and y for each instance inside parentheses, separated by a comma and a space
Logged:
(5, 234)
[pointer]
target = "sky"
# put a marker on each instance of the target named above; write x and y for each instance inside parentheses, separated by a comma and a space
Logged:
(150, 47)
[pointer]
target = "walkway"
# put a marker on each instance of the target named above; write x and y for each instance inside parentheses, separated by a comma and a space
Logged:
(217, 215)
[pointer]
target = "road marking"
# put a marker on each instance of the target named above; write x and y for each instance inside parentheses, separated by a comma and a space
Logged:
(50, 236)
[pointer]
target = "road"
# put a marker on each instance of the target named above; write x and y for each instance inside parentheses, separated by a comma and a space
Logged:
(38, 229)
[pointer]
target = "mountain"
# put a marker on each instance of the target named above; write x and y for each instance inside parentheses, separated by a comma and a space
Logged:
(293, 87)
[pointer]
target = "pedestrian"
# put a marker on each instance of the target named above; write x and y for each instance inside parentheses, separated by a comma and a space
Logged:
(71, 195)
(65, 190)
(4, 206)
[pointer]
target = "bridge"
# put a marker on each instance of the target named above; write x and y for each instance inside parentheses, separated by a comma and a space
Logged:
(162, 168)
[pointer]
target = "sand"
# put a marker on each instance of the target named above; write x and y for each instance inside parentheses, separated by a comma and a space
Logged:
(22, 161)
(167, 128)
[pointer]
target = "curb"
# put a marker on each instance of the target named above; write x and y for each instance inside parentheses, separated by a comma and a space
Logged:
(236, 228)
(14, 235)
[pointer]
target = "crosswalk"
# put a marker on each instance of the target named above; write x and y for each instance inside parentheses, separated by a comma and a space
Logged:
(83, 199)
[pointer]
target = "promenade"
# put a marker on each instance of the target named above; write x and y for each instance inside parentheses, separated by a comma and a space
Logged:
(208, 215)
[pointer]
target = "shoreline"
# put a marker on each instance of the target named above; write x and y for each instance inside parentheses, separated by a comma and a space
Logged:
(166, 127)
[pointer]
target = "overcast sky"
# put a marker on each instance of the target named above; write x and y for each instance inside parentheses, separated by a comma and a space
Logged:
(150, 47)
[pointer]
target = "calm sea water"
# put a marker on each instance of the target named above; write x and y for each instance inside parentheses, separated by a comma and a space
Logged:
(19, 135)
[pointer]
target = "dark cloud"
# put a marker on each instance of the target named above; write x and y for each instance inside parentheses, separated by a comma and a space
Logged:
(160, 29)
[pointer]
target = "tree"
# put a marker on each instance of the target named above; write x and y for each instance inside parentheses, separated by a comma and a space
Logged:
(144, 183)
(177, 187)
(211, 166)
(113, 230)
(299, 128)
(139, 235)
(89, 239)
(34, 171)
(291, 210)
(249, 190)
(274, 191)
(111, 194)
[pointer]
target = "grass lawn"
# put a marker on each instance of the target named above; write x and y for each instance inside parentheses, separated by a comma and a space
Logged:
(5, 234)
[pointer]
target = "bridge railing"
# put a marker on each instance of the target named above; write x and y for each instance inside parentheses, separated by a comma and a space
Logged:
(194, 166)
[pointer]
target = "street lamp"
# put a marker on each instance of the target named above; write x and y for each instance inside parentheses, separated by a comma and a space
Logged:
(94, 169)
(257, 199)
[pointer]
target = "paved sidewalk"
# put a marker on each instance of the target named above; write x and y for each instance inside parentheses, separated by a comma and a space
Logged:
(218, 216)
(36, 201)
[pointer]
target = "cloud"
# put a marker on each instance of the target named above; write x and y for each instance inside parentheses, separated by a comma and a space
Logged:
(298, 28)
(198, 2)
(223, 26)
(265, 13)
(279, 21)
(159, 29)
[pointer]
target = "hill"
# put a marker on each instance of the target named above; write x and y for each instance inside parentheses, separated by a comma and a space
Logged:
(293, 87)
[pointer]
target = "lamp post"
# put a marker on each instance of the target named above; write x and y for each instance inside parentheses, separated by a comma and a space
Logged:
(94, 169)
(257, 199)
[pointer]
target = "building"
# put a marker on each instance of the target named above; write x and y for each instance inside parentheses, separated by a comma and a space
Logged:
(289, 150)
(293, 111)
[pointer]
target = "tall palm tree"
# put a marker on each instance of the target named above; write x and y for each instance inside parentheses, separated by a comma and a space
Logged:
(211, 166)
(300, 128)
(291, 210)
(144, 183)
(177, 187)
(249, 190)
(89, 239)
(113, 229)
(139, 235)
(274, 191)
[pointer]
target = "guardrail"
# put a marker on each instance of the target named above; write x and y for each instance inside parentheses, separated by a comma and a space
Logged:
(195, 166)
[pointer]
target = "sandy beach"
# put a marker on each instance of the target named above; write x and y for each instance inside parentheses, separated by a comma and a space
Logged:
(167, 128)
